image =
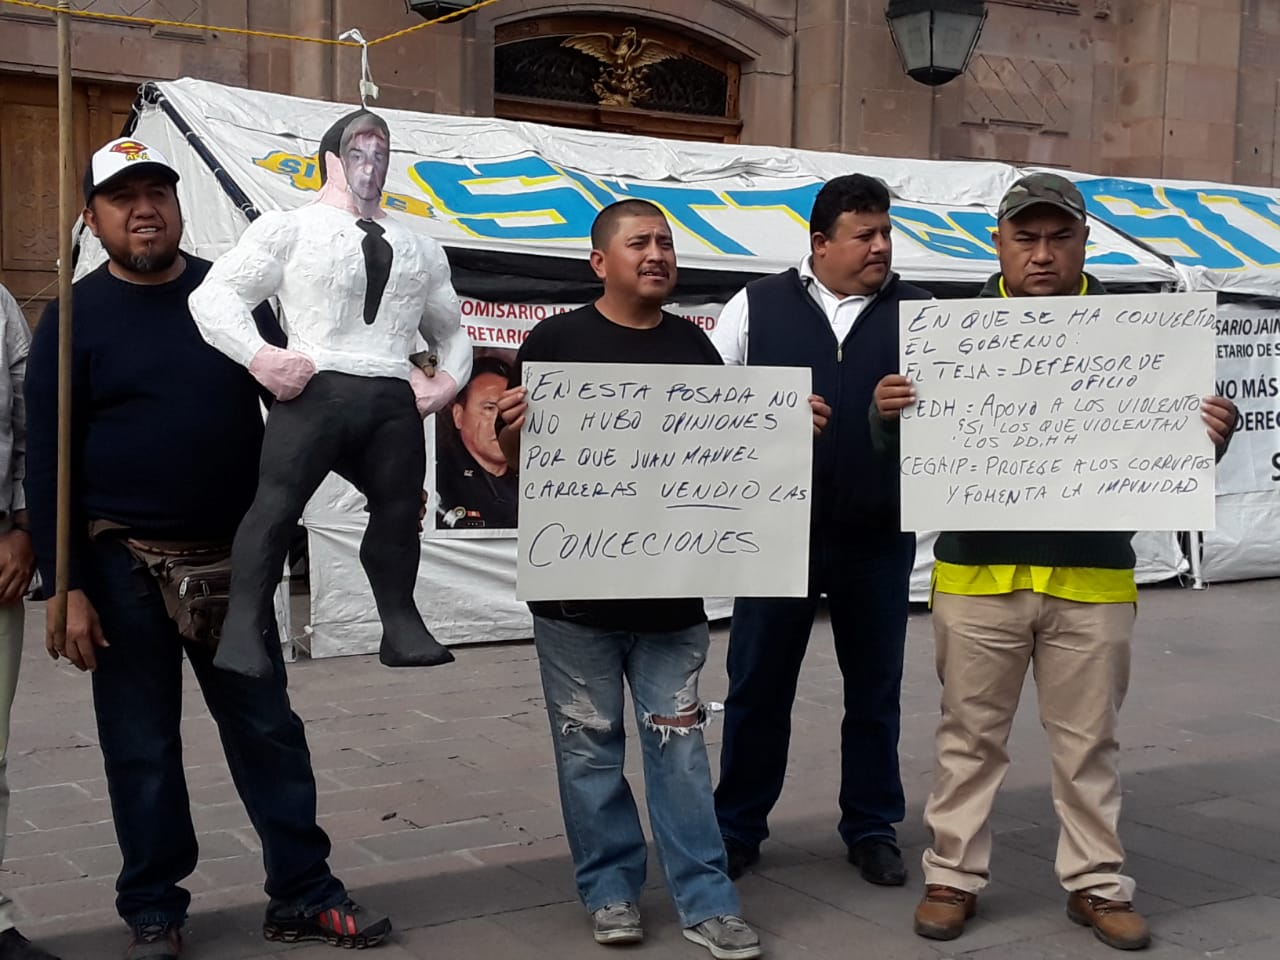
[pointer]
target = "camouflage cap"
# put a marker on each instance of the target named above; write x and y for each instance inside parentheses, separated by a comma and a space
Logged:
(1042, 188)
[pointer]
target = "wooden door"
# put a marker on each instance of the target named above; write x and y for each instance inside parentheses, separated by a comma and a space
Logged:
(29, 222)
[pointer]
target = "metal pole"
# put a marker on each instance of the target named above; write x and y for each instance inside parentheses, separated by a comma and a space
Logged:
(67, 209)
(1196, 541)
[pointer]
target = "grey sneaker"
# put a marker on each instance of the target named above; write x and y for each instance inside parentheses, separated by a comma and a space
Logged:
(728, 938)
(617, 923)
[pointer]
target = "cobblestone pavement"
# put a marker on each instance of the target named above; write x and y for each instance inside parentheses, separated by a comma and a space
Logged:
(438, 792)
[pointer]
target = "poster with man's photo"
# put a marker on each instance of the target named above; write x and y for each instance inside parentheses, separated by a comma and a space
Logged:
(476, 494)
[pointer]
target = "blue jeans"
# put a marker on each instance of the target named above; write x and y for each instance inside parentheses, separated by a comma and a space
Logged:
(582, 670)
(868, 599)
(137, 697)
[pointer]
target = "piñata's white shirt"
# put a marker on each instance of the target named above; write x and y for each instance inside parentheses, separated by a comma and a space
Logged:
(311, 260)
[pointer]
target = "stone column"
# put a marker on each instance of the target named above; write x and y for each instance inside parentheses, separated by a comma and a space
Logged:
(1258, 98)
(1202, 88)
(819, 77)
(766, 96)
(312, 64)
(1133, 136)
(851, 93)
(1176, 66)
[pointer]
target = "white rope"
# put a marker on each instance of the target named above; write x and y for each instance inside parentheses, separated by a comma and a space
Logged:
(368, 89)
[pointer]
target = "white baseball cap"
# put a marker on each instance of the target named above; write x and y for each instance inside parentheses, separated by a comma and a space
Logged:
(124, 156)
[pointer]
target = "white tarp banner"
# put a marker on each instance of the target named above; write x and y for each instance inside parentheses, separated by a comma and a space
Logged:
(1245, 542)
(1060, 413)
(644, 481)
(497, 185)
(1222, 237)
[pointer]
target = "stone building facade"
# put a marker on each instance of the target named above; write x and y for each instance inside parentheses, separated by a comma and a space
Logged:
(1158, 88)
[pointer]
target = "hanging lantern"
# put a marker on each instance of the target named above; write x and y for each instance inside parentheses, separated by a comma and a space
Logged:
(432, 9)
(935, 38)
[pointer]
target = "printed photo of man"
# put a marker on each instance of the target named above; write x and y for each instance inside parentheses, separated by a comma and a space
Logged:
(477, 489)
(366, 156)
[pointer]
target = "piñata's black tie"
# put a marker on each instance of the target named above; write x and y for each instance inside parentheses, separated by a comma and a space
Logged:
(377, 267)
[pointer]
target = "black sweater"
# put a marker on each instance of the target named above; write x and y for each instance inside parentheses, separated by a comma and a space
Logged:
(166, 431)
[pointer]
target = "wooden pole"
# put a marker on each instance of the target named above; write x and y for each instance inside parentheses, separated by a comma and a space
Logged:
(67, 210)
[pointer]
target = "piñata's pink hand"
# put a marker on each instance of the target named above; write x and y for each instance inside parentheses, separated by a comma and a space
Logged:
(431, 394)
(284, 372)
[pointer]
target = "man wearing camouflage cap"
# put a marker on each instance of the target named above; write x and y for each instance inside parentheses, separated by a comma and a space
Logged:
(1063, 602)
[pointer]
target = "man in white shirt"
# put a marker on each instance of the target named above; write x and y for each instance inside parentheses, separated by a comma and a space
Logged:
(838, 315)
(356, 288)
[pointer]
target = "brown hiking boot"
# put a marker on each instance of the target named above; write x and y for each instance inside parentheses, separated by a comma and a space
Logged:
(943, 912)
(1114, 922)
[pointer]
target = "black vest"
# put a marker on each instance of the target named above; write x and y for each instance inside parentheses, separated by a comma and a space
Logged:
(855, 490)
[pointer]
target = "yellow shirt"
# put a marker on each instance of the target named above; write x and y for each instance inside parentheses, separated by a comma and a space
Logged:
(1082, 584)
(1084, 286)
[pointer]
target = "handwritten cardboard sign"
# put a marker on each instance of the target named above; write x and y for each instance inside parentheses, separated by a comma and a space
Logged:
(651, 481)
(1058, 413)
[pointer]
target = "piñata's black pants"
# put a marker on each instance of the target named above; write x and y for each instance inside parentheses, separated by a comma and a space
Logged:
(368, 430)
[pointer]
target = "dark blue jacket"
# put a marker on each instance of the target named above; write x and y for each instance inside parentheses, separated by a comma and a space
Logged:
(855, 488)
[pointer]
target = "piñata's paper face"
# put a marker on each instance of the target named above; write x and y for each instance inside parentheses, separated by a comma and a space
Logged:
(364, 163)
(356, 153)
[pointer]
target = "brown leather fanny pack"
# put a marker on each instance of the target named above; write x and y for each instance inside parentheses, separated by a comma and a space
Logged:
(194, 579)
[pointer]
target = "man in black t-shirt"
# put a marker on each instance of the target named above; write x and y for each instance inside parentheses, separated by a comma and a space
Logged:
(585, 648)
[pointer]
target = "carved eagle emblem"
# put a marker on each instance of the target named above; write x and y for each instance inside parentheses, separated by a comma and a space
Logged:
(625, 57)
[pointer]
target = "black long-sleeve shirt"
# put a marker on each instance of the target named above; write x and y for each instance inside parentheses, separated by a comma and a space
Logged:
(166, 431)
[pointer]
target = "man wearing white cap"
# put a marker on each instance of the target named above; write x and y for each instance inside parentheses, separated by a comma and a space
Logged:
(166, 440)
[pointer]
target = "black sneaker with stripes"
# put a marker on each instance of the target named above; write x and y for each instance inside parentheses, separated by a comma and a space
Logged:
(343, 925)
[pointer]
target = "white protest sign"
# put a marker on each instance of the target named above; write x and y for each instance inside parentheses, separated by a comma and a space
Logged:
(1058, 413)
(652, 480)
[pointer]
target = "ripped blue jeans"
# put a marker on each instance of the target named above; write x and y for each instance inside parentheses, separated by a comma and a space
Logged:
(582, 672)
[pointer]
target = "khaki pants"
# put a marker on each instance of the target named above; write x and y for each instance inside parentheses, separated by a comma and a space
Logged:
(1079, 654)
(11, 622)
